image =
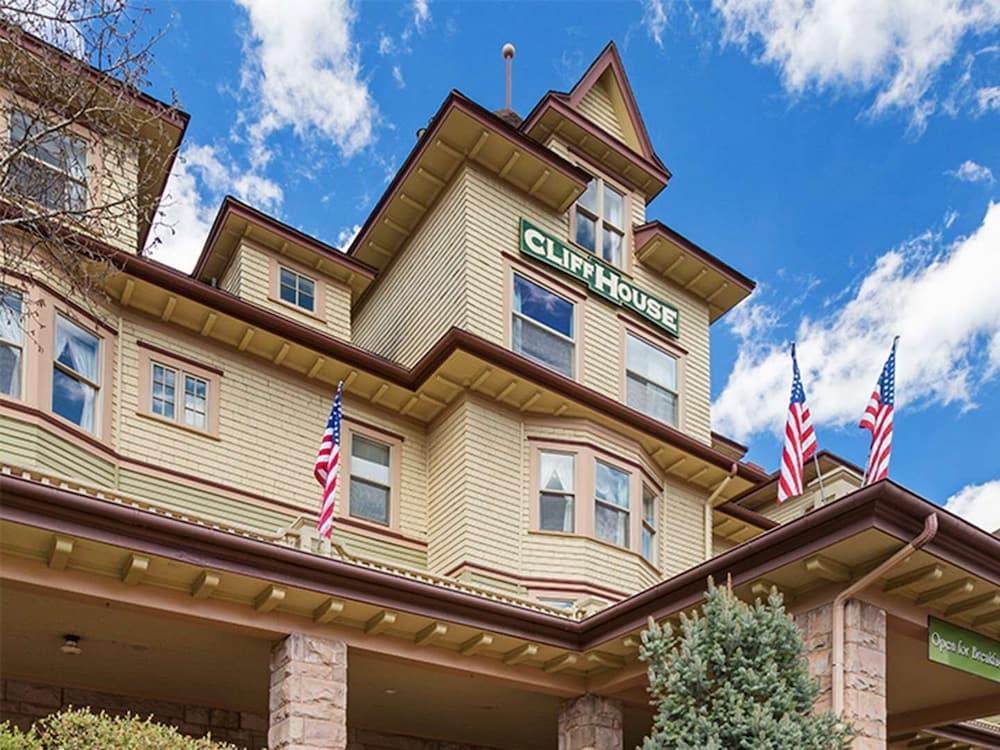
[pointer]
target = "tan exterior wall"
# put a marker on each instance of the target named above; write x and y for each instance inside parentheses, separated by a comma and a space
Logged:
(597, 107)
(423, 292)
(252, 275)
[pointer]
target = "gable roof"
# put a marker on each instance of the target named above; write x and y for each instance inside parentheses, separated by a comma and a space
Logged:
(608, 67)
(634, 159)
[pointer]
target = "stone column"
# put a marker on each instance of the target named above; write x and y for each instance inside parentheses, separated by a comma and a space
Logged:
(864, 666)
(590, 722)
(308, 698)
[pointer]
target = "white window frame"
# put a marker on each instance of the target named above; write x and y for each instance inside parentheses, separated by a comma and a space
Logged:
(571, 495)
(45, 166)
(600, 220)
(299, 277)
(526, 320)
(79, 377)
(181, 411)
(388, 487)
(625, 511)
(630, 373)
(648, 523)
(18, 346)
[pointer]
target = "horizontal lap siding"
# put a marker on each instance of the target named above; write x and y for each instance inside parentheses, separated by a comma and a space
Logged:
(254, 285)
(596, 106)
(119, 182)
(268, 432)
(447, 472)
(31, 446)
(232, 277)
(422, 293)
(683, 542)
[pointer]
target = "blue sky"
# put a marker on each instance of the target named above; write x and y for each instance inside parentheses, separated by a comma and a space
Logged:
(841, 154)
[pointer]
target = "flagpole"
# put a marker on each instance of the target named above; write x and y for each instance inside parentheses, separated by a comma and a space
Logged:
(822, 491)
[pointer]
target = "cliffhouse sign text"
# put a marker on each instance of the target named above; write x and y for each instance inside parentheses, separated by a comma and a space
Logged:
(599, 277)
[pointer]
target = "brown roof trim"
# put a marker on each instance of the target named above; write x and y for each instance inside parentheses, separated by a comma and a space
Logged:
(17, 35)
(453, 340)
(610, 58)
(884, 506)
(645, 232)
(234, 207)
(969, 733)
(458, 101)
(728, 441)
(747, 516)
(556, 102)
(772, 478)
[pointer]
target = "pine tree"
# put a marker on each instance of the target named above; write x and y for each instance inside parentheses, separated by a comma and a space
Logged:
(735, 678)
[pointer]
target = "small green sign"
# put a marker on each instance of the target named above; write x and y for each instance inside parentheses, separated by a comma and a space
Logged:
(598, 276)
(963, 649)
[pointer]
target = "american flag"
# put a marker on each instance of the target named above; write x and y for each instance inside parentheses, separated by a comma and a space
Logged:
(800, 439)
(327, 467)
(878, 419)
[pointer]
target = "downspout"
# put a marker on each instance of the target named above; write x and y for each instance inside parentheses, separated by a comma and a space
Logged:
(708, 510)
(840, 602)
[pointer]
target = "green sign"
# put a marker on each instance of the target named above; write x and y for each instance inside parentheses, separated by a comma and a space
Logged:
(963, 649)
(601, 278)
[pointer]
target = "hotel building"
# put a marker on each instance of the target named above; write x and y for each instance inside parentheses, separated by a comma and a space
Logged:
(529, 470)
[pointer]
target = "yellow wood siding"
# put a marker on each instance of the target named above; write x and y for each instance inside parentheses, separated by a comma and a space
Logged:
(119, 182)
(248, 276)
(597, 107)
(422, 293)
(447, 512)
(265, 413)
(32, 447)
(684, 534)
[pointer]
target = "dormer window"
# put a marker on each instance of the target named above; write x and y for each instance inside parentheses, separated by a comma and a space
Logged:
(297, 290)
(599, 221)
(49, 168)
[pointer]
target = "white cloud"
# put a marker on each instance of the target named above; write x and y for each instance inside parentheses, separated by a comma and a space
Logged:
(988, 98)
(200, 177)
(397, 76)
(978, 504)
(941, 300)
(346, 236)
(654, 18)
(895, 47)
(421, 13)
(385, 44)
(970, 171)
(304, 67)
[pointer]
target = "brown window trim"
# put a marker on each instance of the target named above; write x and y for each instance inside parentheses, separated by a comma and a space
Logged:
(275, 264)
(395, 476)
(628, 328)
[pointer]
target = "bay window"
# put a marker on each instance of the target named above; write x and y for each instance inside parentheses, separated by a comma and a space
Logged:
(370, 480)
(650, 380)
(599, 221)
(611, 504)
(11, 342)
(75, 374)
(557, 479)
(542, 326)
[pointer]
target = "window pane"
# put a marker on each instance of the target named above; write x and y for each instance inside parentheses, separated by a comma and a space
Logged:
(369, 460)
(11, 315)
(76, 348)
(611, 485)
(651, 363)
(648, 544)
(611, 246)
(586, 232)
(543, 346)
(556, 471)
(651, 399)
(611, 525)
(73, 400)
(164, 395)
(195, 402)
(369, 501)
(306, 301)
(10, 370)
(648, 505)
(539, 304)
(555, 512)
(614, 207)
(589, 198)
